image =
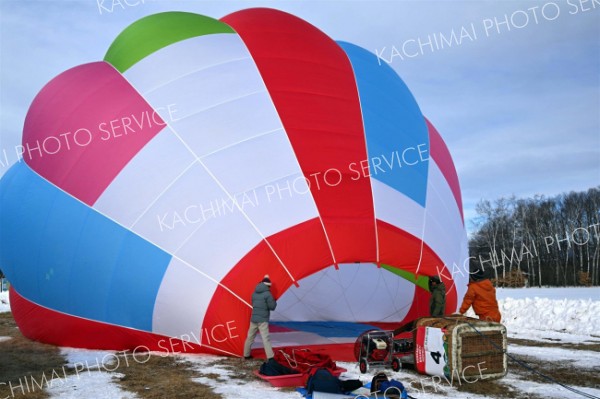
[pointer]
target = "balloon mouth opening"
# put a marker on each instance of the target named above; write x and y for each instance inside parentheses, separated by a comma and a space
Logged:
(351, 292)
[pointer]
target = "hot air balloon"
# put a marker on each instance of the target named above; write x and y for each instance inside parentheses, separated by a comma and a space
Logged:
(159, 185)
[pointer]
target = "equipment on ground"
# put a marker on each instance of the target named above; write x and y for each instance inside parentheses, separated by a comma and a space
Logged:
(378, 348)
(454, 347)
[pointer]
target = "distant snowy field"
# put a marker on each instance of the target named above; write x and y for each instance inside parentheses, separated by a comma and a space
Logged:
(540, 314)
(565, 314)
(550, 293)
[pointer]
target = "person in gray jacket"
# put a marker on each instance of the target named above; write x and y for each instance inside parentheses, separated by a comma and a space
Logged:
(262, 305)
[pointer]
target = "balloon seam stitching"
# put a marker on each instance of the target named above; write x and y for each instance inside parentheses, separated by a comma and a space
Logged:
(161, 194)
(188, 73)
(235, 202)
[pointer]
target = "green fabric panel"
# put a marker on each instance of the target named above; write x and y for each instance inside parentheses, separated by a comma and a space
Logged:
(156, 31)
(421, 281)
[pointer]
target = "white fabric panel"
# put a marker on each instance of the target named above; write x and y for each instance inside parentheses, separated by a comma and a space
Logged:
(222, 113)
(181, 302)
(253, 163)
(442, 198)
(218, 127)
(461, 280)
(355, 292)
(444, 231)
(397, 209)
(194, 213)
(144, 178)
(218, 244)
(225, 117)
(185, 57)
(184, 209)
(280, 204)
(205, 88)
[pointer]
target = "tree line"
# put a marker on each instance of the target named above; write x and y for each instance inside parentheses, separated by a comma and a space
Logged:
(539, 241)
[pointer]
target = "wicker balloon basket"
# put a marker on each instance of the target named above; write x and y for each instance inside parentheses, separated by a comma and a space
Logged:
(460, 347)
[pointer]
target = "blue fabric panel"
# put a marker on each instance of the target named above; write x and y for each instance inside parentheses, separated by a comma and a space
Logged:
(327, 328)
(396, 132)
(64, 255)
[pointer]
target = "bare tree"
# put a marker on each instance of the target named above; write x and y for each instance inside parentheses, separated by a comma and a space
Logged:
(553, 241)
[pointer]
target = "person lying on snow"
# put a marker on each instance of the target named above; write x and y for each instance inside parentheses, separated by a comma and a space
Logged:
(481, 294)
(262, 305)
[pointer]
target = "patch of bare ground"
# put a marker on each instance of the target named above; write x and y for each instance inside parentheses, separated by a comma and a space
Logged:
(495, 389)
(423, 385)
(591, 346)
(242, 370)
(26, 366)
(154, 376)
(563, 372)
(560, 370)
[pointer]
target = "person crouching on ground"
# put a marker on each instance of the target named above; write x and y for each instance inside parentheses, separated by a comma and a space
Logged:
(437, 302)
(481, 294)
(262, 305)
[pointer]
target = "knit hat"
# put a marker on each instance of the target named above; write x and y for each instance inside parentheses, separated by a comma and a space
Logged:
(478, 275)
(266, 280)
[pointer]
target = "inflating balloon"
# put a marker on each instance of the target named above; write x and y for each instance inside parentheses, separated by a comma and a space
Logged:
(159, 185)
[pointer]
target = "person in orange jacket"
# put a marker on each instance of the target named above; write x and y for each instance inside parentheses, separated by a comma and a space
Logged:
(481, 294)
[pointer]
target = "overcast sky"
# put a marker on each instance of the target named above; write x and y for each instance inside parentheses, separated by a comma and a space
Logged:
(516, 94)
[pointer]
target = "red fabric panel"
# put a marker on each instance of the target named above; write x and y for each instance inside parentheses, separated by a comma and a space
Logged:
(311, 82)
(303, 250)
(84, 126)
(441, 156)
(399, 249)
(42, 324)
(338, 352)
(420, 305)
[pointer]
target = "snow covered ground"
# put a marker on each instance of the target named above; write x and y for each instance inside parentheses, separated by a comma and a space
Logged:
(539, 314)
(95, 381)
(550, 293)
(421, 387)
(93, 377)
(551, 314)
(4, 305)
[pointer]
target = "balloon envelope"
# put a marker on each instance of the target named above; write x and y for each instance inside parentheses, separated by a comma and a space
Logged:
(159, 185)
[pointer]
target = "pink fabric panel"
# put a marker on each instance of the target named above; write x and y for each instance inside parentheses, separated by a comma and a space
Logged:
(441, 156)
(84, 126)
